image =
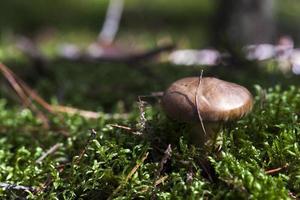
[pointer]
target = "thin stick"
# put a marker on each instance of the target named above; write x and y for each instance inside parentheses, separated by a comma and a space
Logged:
(134, 131)
(92, 136)
(52, 150)
(18, 87)
(70, 110)
(122, 127)
(272, 171)
(9, 186)
(21, 86)
(87, 113)
(24, 92)
(197, 103)
(152, 94)
(160, 180)
(131, 173)
(165, 158)
(157, 182)
(11, 79)
(45, 185)
(55, 108)
(26, 89)
(30, 92)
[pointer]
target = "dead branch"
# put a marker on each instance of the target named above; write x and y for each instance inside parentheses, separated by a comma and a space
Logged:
(118, 58)
(52, 150)
(36, 55)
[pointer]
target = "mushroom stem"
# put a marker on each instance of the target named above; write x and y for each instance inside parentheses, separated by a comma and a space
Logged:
(206, 139)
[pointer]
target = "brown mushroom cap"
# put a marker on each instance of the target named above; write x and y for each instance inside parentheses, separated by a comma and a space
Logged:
(217, 100)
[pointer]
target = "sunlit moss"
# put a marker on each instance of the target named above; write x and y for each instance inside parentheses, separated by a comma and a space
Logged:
(266, 139)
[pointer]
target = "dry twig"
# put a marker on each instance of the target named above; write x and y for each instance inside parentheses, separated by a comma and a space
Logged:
(122, 127)
(37, 56)
(160, 180)
(13, 82)
(128, 177)
(52, 150)
(134, 131)
(273, 171)
(18, 87)
(157, 182)
(92, 136)
(152, 94)
(72, 111)
(87, 113)
(27, 94)
(165, 158)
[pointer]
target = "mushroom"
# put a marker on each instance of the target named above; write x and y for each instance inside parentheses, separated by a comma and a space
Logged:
(206, 103)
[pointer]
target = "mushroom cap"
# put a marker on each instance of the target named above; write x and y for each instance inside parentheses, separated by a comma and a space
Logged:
(218, 100)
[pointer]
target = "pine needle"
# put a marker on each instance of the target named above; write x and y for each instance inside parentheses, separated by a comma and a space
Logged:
(197, 103)
(128, 177)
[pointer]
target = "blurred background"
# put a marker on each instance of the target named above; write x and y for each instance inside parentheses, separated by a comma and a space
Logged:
(193, 20)
(247, 41)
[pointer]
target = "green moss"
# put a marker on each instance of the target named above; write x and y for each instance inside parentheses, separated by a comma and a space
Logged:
(266, 139)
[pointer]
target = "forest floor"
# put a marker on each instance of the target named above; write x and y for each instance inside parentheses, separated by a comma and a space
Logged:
(132, 150)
